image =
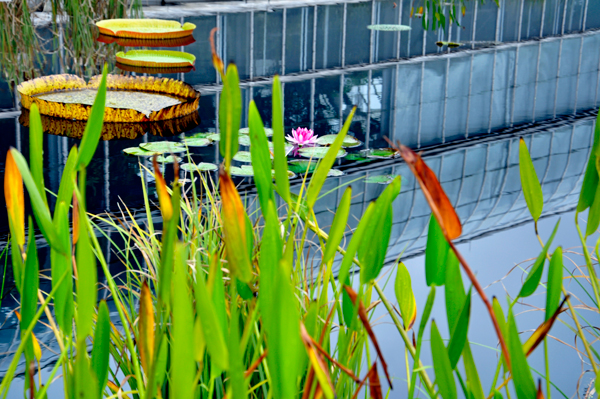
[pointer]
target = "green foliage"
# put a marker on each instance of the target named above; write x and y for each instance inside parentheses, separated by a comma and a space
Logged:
(532, 190)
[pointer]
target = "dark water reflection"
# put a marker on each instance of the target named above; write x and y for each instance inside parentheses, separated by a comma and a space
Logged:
(465, 107)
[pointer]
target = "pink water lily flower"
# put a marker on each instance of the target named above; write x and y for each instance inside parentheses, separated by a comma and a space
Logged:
(302, 137)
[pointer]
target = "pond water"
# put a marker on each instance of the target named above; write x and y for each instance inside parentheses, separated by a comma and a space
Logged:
(527, 69)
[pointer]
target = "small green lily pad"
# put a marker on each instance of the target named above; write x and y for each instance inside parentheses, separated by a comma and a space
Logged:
(318, 152)
(197, 142)
(243, 156)
(214, 137)
(246, 131)
(358, 157)
(328, 139)
(163, 146)
(201, 135)
(139, 152)
(167, 159)
(244, 140)
(380, 179)
(380, 153)
(389, 27)
(247, 171)
(200, 167)
(300, 166)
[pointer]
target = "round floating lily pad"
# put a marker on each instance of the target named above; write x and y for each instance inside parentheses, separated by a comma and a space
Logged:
(156, 58)
(167, 159)
(300, 166)
(242, 156)
(145, 28)
(246, 131)
(389, 27)
(244, 140)
(247, 171)
(197, 142)
(214, 137)
(381, 179)
(318, 152)
(379, 153)
(349, 141)
(163, 146)
(358, 157)
(139, 152)
(201, 135)
(200, 167)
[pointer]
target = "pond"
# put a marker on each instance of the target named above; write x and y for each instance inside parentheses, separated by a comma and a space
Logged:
(525, 69)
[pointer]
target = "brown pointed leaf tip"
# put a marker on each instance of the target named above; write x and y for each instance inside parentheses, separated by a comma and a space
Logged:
(217, 61)
(164, 199)
(14, 197)
(542, 331)
(146, 328)
(540, 393)
(374, 383)
(434, 193)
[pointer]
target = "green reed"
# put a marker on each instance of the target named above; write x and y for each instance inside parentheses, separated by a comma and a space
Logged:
(219, 303)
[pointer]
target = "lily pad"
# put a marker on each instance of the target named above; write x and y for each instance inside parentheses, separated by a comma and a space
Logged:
(163, 146)
(357, 157)
(145, 28)
(200, 167)
(246, 131)
(380, 179)
(318, 152)
(243, 156)
(214, 137)
(139, 152)
(328, 139)
(167, 159)
(200, 135)
(247, 171)
(389, 27)
(300, 166)
(156, 58)
(244, 140)
(197, 142)
(380, 153)
(140, 101)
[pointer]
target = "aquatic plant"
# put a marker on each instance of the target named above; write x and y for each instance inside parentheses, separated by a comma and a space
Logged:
(219, 302)
(302, 137)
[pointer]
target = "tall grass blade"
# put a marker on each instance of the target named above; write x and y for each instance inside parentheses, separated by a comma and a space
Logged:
(36, 150)
(338, 226)
(237, 385)
(65, 190)
(280, 159)
(320, 174)
(318, 365)
(590, 179)
(441, 365)
(458, 337)
(532, 190)
(405, 296)
(183, 365)
(499, 313)
(533, 279)
(355, 242)
(261, 159)
(85, 381)
(230, 115)
(101, 347)
(211, 327)
(371, 253)
(29, 291)
(437, 252)
(521, 373)
(61, 266)
(555, 282)
(146, 328)
(87, 278)
(93, 128)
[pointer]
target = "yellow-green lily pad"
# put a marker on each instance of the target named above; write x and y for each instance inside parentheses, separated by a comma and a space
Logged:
(318, 152)
(197, 142)
(139, 152)
(200, 167)
(163, 146)
(328, 139)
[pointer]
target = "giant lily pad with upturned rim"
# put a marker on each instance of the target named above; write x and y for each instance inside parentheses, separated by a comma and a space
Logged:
(61, 96)
(145, 28)
(156, 58)
(135, 42)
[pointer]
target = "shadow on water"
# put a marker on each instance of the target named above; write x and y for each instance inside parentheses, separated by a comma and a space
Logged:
(530, 69)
